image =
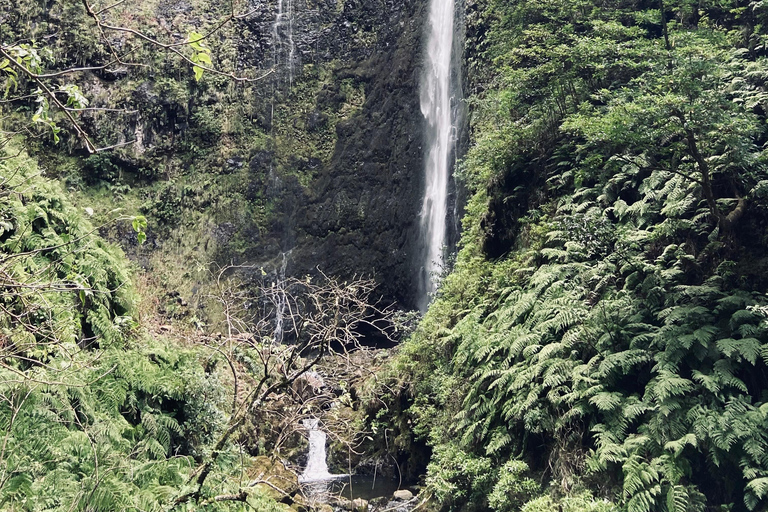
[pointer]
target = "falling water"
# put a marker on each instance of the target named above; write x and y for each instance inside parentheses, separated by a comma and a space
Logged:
(281, 300)
(435, 98)
(284, 23)
(317, 467)
(318, 484)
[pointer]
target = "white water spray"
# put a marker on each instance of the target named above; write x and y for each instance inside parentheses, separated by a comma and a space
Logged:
(435, 99)
(317, 467)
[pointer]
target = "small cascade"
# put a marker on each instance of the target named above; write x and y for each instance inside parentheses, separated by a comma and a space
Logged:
(437, 107)
(317, 467)
(282, 38)
(342, 490)
(282, 301)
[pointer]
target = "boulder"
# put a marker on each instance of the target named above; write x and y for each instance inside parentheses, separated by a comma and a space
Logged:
(356, 505)
(378, 502)
(403, 495)
(300, 504)
(343, 503)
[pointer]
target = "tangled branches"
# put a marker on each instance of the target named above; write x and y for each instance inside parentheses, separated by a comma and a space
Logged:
(277, 332)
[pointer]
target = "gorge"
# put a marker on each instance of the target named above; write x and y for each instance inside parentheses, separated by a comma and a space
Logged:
(230, 257)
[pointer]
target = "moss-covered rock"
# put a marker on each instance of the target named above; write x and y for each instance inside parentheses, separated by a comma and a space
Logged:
(272, 478)
(322, 155)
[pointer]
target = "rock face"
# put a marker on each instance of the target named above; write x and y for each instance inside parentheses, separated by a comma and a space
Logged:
(358, 212)
(321, 157)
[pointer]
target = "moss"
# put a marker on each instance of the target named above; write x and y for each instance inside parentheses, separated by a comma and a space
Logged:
(281, 481)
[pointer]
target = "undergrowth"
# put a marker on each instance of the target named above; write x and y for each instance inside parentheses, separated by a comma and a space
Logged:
(601, 342)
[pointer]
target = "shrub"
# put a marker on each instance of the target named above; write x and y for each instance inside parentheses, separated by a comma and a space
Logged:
(513, 488)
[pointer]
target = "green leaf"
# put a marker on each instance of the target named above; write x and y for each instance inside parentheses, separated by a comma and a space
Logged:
(139, 223)
(204, 58)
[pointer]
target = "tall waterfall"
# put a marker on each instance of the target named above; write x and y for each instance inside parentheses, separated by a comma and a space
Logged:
(282, 37)
(282, 299)
(436, 106)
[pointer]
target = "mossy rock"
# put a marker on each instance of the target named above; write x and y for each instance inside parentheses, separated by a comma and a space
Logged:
(272, 475)
(300, 504)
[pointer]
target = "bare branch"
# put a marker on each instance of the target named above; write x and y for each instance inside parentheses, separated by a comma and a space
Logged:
(319, 317)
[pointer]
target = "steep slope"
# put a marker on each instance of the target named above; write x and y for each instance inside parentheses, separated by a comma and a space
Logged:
(92, 417)
(604, 329)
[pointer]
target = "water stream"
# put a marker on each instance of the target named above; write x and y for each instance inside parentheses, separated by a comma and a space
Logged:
(317, 467)
(282, 36)
(282, 300)
(436, 106)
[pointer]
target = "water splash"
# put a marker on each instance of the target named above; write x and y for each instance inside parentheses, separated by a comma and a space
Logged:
(435, 100)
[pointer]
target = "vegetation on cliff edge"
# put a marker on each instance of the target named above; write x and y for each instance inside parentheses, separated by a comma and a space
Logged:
(604, 329)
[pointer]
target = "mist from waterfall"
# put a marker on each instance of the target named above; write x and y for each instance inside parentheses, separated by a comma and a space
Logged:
(436, 106)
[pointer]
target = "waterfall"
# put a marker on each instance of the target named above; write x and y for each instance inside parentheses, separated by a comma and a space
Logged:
(282, 300)
(284, 23)
(436, 106)
(317, 467)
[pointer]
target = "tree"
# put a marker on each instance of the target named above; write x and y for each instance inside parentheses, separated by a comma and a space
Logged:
(695, 114)
(48, 77)
(276, 332)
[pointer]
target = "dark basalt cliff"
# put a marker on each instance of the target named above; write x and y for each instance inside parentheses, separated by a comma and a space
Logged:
(321, 158)
(358, 214)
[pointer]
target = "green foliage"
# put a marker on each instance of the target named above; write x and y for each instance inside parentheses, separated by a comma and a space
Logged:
(512, 489)
(456, 477)
(62, 285)
(139, 224)
(206, 124)
(201, 54)
(29, 56)
(104, 437)
(93, 416)
(583, 502)
(100, 167)
(601, 323)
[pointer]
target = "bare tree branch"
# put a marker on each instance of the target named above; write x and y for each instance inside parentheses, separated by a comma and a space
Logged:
(319, 317)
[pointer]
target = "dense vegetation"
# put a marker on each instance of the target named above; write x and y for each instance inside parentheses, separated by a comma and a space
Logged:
(101, 409)
(181, 397)
(603, 333)
(96, 413)
(600, 344)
